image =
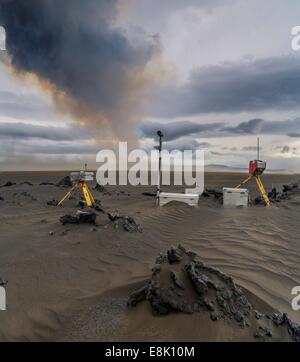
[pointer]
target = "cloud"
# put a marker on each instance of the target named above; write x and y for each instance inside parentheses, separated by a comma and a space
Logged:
(249, 149)
(285, 149)
(56, 149)
(290, 128)
(167, 7)
(232, 87)
(234, 149)
(25, 107)
(294, 135)
(94, 70)
(37, 161)
(253, 126)
(153, 14)
(287, 127)
(175, 130)
(22, 131)
(37, 147)
(183, 144)
(288, 150)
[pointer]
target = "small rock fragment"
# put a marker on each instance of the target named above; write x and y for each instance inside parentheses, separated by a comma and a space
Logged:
(100, 188)
(65, 232)
(52, 202)
(137, 296)
(81, 217)
(176, 280)
(65, 182)
(26, 183)
(127, 222)
(9, 184)
(214, 316)
(173, 256)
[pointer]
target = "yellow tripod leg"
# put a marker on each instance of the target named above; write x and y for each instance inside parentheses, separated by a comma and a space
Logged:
(87, 194)
(244, 182)
(262, 191)
(91, 196)
(67, 196)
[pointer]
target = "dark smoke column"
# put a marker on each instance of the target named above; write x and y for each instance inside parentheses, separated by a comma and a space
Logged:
(72, 45)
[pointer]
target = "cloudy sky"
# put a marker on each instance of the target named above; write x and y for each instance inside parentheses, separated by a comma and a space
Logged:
(214, 74)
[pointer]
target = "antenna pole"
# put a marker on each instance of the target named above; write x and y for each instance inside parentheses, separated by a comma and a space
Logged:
(160, 135)
(258, 149)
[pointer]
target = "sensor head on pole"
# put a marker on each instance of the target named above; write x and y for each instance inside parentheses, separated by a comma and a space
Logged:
(257, 167)
(160, 134)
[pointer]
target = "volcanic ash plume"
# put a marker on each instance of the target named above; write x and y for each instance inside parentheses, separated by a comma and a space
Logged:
(94, 70)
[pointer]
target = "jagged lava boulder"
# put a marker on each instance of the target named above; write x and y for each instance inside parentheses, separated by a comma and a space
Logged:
(182, 283)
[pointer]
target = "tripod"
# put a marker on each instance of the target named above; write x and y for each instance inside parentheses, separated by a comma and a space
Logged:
(260, 187)
(90, 201)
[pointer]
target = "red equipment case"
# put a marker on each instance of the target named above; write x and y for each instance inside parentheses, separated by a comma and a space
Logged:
(257, 167)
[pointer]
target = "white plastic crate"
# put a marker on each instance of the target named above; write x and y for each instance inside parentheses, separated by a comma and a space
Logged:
(235, 197)
(190, 199)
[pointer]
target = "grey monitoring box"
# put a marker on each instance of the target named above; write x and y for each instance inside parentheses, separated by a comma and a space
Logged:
(82, 176)
(235, 197)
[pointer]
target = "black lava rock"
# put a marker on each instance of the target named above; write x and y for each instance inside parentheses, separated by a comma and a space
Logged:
(126, 222)
(176, 280)
(47, 184)
(193, 287)
(173, 256)
(100, 188)
(52, 203)
(65, 182)
(26, 183)
(214, 316)
(9, 184)
(81, 217)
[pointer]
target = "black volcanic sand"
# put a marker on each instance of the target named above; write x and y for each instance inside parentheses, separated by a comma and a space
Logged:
(72, 282)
